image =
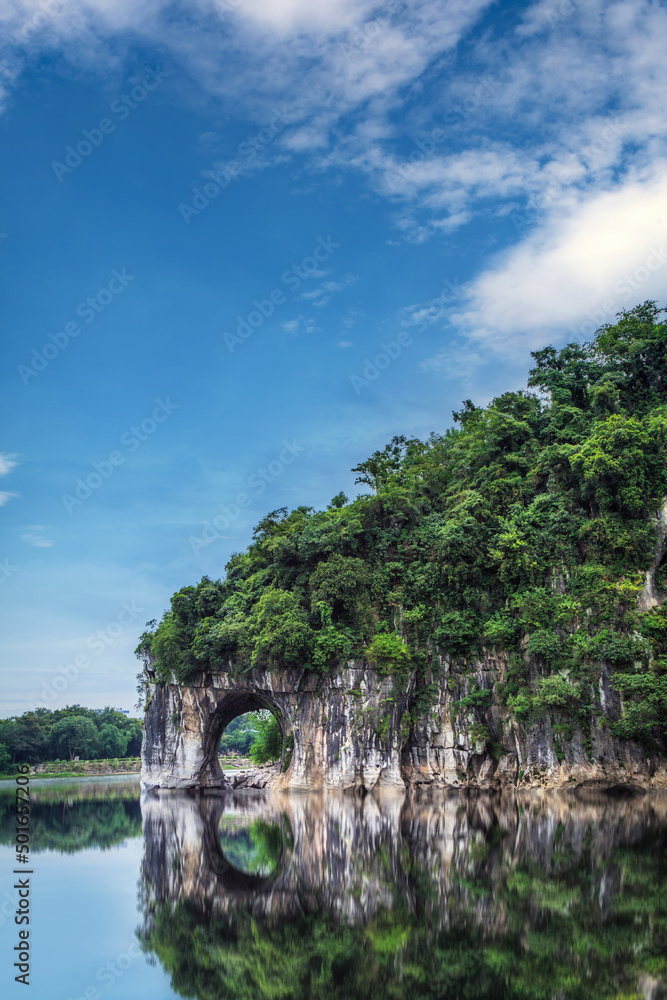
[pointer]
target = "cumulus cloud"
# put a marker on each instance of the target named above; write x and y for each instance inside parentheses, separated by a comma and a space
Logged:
(586, 262)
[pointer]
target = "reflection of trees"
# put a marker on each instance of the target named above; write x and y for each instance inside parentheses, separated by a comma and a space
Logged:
(554, 944)
(471, 900)
(69, 820)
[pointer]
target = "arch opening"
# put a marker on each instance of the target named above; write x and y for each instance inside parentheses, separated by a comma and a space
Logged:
(248, 728)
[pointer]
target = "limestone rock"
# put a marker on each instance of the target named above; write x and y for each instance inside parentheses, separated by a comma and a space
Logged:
(354, 730)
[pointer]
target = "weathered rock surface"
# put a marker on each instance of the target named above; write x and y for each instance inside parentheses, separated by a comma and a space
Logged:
(263, 776)
(487, 748)
(649, 597)
(358, 731)
(346, 728)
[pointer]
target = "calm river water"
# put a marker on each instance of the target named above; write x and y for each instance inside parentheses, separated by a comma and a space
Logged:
(250, 896)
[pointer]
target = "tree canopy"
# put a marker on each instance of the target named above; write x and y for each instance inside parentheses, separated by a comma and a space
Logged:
(65, 733)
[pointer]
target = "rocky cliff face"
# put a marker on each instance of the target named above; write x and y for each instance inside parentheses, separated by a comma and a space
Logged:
(355, 730)
(487, 748)
(346, 728)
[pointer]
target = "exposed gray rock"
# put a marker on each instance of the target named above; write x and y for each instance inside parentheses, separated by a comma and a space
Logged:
(354, 730)
(649, 597)
(346, 728)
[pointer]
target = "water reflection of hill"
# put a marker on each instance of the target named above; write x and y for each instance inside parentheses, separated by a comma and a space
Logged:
(73, 816)
(467, 898)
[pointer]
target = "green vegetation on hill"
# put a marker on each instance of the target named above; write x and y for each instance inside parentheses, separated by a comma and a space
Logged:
(65, 733)
(528, 528)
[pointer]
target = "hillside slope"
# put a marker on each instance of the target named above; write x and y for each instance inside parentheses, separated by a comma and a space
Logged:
(534, 530)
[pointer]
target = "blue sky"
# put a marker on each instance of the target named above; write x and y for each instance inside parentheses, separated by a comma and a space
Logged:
(218, 216)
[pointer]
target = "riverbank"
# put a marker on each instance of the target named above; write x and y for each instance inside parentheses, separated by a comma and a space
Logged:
(111, 766)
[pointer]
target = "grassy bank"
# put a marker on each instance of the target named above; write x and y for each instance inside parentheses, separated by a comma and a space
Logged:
(82, 768)
(119, 765)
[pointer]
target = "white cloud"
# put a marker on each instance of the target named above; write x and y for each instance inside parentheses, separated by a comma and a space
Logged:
(550, 120)
(459, 363)
(522, 114)
(324, 58)
(7, 463)
(587, 261)
(338, 286)
(322, 295)
(301, 324)
(572, 101)
(290, 16)
(350, 319)
(36, 540)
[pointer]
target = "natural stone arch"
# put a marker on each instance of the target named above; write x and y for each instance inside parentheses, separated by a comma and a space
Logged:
(346, 727)
(357, 730)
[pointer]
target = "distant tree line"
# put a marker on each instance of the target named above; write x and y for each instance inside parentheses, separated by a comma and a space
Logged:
(95, 734)
(64, 733)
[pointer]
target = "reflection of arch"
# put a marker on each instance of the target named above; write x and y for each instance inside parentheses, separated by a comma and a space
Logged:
(233, 704)
(230, 878)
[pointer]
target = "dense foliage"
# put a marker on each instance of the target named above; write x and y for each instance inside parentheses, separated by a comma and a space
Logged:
(65, 733)
(528, 527)
(240, 734)
(268, 743)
